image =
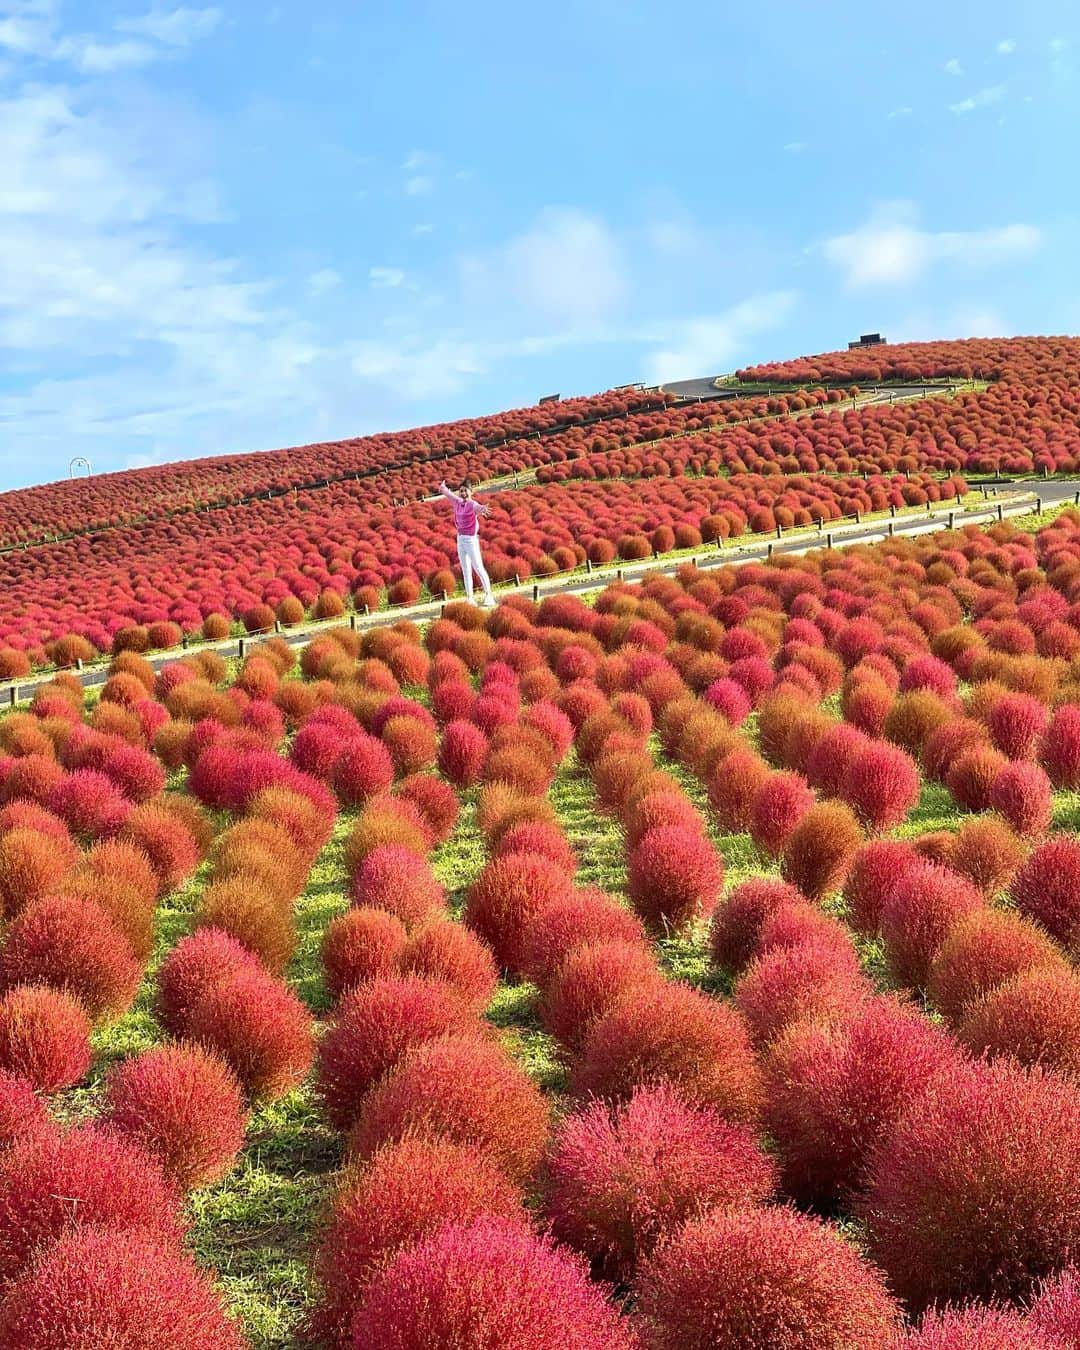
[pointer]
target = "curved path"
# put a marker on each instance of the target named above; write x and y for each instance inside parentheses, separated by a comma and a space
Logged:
(1014, 500)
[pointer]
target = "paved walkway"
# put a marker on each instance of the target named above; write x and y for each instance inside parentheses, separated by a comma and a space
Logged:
(1011, 501)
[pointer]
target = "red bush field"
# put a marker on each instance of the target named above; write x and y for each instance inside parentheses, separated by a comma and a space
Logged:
(468, 962)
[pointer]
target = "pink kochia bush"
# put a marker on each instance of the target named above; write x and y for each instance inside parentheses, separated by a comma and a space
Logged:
(768, 1278)
(507, 895)
(834, 1091)
(736, 924)
(44, 1037)
(674, 876)
(374, 1026)
(1047, 887)
(977, 1328)
(674, 1034)
(98, 1287)
(487, 1283)
(407, 1191)
(90, 1176)
(881, 785)
(976, 1191)
(184, 1106)
(1056, 1311)
(463, 1089)
(620, 1178)
(816, 979)
(918, 914)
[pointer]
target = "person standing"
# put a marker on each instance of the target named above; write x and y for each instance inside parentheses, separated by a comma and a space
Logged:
(467, 513)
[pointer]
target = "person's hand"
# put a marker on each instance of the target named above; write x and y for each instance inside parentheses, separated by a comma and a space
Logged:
(484, 510)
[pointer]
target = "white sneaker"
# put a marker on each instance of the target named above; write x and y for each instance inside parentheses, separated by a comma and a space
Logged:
(488, 602)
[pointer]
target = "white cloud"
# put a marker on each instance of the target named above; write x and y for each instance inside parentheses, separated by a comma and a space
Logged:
(418, 231)
(416, 370)
(953, 67)
(982, 98)
(891, 250)
(419, 185)
(1058, 44)
(326, 279)
(795, 147)
(705, 346)
(568, 266)
(1006, 46)
(903, 111)
(173, 28)
(385, 278)
(416, 159)
(33, 28)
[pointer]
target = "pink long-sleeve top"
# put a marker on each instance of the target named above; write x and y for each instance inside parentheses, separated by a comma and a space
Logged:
(466, 517)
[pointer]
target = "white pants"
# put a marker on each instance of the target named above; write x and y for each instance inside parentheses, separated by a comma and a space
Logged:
(468, 551)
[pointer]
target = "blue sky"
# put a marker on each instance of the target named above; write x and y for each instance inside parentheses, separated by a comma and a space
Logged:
(240, 226)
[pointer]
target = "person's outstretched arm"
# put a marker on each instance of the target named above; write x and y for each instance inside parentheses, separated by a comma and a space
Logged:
(448, 493)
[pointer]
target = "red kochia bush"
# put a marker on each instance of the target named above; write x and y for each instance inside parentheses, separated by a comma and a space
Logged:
(89, 803)
(768, 1278)
(583, 918)
(374, 1026)
(362, 768)
(875, 869)
(976, 1328)
(733, 787)
(976, 1192)
(106, 1287)
(507, 895)
(591, 980)
(820, 849)
(1059, 751)
(195, 965)
(183, 1106)
(407, 1191)
(674, 1034)
(394, 879)
(259, 1028)
(463, 1089)
(816, 980)
(44, 1037)
(777, 807)
(674, 877)
(444, 950)
(834, 1091)
(487, 1283)
(982, 952)
(539, 837)
(1022, 794)
(22, 1112)
(1047, 887)
(971, 775)
(733, 934)
(1056, 1311)
(70, 944)
(1016, 722)
(462, 753)
(360, 945)
(1034, 1018)
(436, 801)
(987, 852)
(91, 1176)
(882, 785)
(168, 843)
(918, 913)
(31, 865)
(618, 1179)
